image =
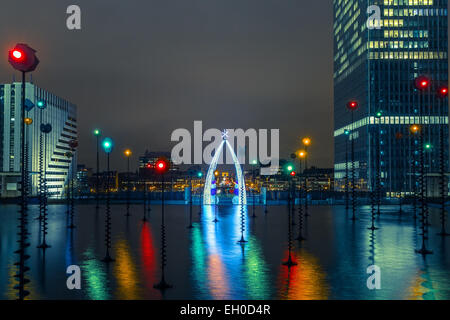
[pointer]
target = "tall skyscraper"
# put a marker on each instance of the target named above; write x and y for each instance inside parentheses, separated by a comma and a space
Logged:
(375, 64)
(62, 116)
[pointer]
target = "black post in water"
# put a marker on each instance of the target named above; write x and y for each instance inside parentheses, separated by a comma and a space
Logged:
(443, 94)
(23, 59)
(163, 285)
(353, 172)
(190, 226)
(289, 263)
(23, 230)
(300, 206)
(45, 129)
(97, 178)
(422, 84)
(128, 154)
(347, 133)
(144, 217)
(107, 146)
(373, 184)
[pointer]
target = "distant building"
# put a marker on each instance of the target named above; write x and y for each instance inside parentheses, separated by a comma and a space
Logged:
(84, 175)
(376, 66)
(148, 159)
(61, 114)
(319, 179)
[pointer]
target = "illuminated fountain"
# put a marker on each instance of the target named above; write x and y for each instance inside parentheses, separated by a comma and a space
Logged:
(210, 195)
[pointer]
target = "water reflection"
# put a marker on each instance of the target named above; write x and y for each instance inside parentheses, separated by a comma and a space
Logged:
(125, 272)
(305, 281)
(207, 262)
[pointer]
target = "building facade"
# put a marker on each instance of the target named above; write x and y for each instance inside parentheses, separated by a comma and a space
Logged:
(60, 160)
(375, 64)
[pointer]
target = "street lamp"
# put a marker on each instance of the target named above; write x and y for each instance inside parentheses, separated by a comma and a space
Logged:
(108, 146)
(301, 156)
(254, 164)
(306, 142)
(23, 58)
(45, 129)
(347, 134)
(162, 166)
(128, 154)
(97, 134)
(352, 106)
(378, 116)
(422, 84)
(291, 173)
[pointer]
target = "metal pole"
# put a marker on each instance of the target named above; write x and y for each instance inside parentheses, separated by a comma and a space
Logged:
(353, 170)
(108, 217)
(97, 191)
(300, 206)
(128, 186)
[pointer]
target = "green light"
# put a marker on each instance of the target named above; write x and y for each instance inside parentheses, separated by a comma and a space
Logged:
(41, 104)
(346, 132)
(290, 168)
(254, 162)
(379, 114)
(200, 174)
(428, 146)
(97, 132)
(107, 145)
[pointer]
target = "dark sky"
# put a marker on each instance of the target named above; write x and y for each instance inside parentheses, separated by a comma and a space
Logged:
(140, 69)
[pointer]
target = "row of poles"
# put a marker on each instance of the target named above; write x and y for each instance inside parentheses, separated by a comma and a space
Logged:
(423, 85)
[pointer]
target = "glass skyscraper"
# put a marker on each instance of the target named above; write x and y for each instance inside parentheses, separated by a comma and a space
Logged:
(375, 64)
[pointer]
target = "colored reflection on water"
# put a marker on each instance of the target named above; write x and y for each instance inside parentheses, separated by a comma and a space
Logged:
(207, 262)
(125, 272)
(305, 281)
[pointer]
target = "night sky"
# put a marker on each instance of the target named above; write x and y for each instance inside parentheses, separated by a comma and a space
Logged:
(141, 69)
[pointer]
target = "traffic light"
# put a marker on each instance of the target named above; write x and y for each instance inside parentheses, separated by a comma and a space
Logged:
(293, 173)
(23, 58)
(162, 165)
(378, 114)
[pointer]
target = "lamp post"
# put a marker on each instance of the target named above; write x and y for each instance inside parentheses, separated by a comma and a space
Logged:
(306, 143)
(254, 164)
(347, 134)
(162, 166)
(23, 59)
(442, 94)
(289, 263)
(301, 156)
(108, 146)
(414, 129)
(352, 106)
(45, 130)
(191, 172)
(378, 116)
(73, 145)
(422, 84)
(128, 154)
(200, 176)
(97, 134)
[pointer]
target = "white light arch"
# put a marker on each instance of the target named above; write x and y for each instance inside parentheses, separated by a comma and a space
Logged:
(208, 198)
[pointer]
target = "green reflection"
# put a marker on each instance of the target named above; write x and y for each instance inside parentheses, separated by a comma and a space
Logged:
(96, 278)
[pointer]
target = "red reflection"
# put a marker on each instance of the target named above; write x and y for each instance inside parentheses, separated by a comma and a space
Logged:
(148, 256)
(305, 281)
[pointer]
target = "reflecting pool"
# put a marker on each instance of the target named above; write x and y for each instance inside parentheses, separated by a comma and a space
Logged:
(207, 262)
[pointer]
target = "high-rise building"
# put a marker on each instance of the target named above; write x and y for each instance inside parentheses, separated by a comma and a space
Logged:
(376, 63)
(62, 116)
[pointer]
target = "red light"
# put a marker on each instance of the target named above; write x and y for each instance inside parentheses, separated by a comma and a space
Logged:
(293, 173)
(17, 54)
(422, 83)
(443, 91)
(352, 105)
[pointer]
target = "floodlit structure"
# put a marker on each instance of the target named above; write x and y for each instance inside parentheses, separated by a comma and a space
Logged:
(210, 192)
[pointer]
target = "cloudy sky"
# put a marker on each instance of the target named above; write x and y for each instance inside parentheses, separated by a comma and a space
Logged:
(141, 69)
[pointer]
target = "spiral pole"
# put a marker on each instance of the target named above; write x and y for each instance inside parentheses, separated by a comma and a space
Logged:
(242, 212)
(108, 218)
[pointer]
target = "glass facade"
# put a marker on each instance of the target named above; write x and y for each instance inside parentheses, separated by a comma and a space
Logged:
(375, 63)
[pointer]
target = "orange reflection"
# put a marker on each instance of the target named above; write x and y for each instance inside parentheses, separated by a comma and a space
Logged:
(306, 281)
(125, 272)
(216, 275)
